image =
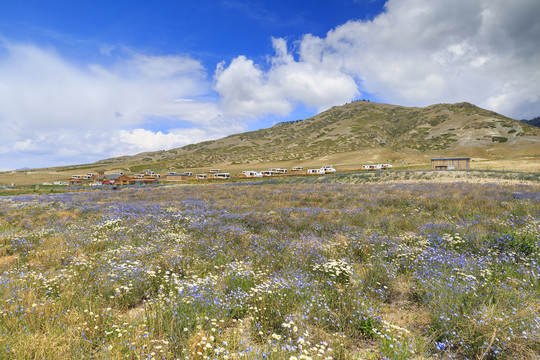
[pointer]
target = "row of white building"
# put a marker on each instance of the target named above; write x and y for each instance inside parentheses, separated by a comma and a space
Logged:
(218, 174)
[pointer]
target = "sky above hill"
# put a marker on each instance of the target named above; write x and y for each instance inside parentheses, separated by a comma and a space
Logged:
(82, 81)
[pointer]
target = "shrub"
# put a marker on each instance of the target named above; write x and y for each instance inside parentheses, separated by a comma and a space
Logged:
(499, 139)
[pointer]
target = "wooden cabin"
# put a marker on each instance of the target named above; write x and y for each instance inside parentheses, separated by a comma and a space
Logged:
(456, 163)
(177, 177)
(112, 179)
(144, 181)
(75, 182)
(121, 180)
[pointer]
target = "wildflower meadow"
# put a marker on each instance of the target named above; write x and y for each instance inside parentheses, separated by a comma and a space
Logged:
(272, 271)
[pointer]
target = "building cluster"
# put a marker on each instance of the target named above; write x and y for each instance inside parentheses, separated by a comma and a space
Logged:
(327, 169)
(146, 177)
(376, 167)
(149, 177)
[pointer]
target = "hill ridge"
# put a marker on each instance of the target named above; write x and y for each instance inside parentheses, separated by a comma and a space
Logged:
(357, 126)
(359, 131)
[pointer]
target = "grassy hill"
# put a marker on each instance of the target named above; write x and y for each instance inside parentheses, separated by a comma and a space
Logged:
(356, 127)
(352, 134)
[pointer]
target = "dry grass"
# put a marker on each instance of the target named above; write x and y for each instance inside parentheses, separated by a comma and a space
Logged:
(343, 162)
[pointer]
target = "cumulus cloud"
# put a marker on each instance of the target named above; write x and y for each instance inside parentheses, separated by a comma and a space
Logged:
(52, 108)
(248, 91)
(417, 52)
(420, 52)
(134, 140)
(40, 89)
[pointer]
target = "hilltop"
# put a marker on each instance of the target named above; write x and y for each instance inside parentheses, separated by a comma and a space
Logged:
(349, 135)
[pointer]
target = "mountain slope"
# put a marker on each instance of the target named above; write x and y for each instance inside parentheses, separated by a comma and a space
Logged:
(441, 129)
(534, 122)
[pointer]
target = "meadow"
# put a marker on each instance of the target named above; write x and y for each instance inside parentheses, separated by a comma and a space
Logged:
(401, 270)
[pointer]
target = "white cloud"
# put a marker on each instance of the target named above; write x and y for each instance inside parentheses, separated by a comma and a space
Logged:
(418, 52)
(134, 140)
(248, 91)
(23, 145)
(141, 138)
(52, 109)
(39, 89)
(421, 52)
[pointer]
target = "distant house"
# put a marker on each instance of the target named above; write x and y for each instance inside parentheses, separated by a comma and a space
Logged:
(222, 176)
(328, 169)
(251, 174)
(144, 181)
(372, 167)
(177, 177)
(456, 163)
(75, 182)
(119, 179)
(78, 179)
(112, 179)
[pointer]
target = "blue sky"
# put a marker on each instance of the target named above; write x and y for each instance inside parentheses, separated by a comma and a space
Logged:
(82, 81)
(210, 31)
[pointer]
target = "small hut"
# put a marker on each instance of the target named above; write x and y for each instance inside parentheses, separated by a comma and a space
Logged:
(455, 163)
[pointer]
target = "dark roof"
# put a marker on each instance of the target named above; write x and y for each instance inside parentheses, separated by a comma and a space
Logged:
(108, 177)
(112, 176)
(452, 158)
